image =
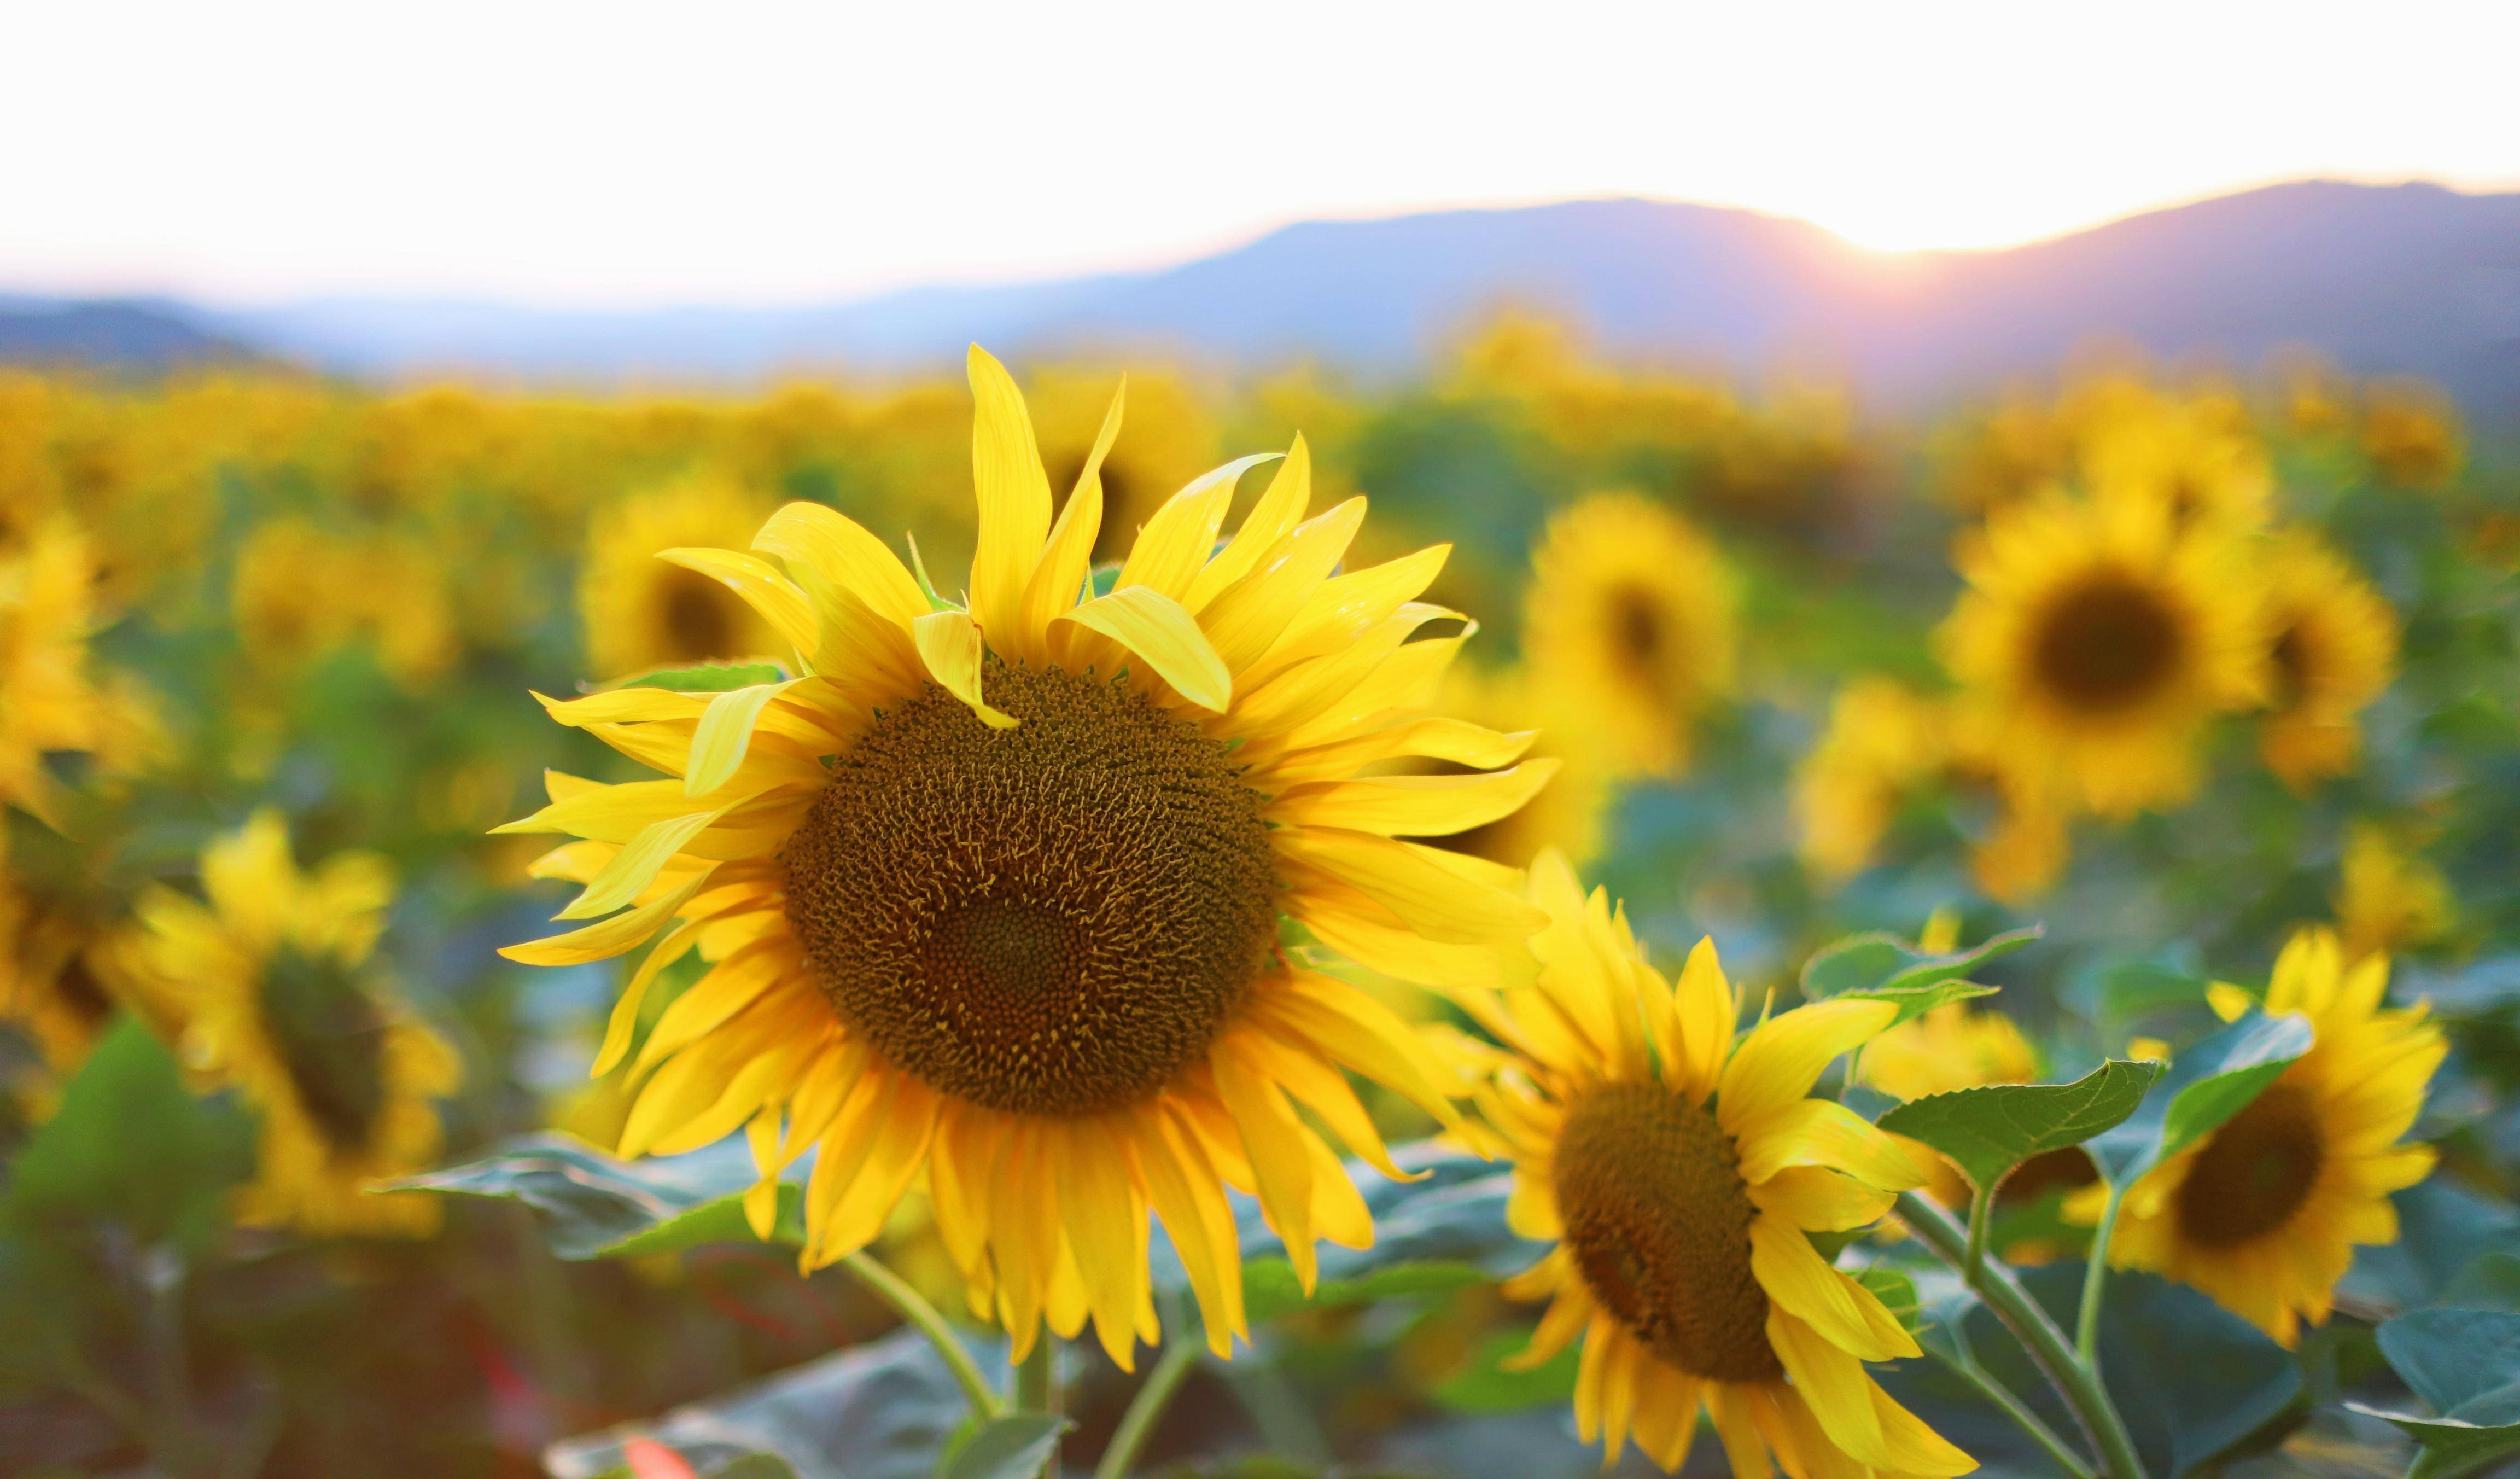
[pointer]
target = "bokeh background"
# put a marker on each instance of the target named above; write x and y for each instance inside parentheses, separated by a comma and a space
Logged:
(352, 371)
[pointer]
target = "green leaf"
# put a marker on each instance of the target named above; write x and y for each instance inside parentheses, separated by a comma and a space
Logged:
(1991, 1130)
(594, 1205)
(754, 1466)
(885, 1408)
(2480, 1432)
(2451, 1358)
(1442, 1230)
(131, 1147)
(2193, 1380)
(1270, 1287)
(2207, 1084)
(1885, 967)
(1485, 1385)
(707, 677)
(1017, 1446)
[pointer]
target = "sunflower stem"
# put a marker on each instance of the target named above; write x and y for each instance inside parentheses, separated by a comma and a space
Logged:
(2001, 1399)
(2096, 1277)
(1037, 1388)
(1981, 1223)
(1994, 1283)
(914, 1309)
(1138, 1423)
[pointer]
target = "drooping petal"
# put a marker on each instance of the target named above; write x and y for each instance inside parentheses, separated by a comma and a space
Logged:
(949, 642)
(1165, 636)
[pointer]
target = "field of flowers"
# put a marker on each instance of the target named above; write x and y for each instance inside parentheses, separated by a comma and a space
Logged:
(1553, 913)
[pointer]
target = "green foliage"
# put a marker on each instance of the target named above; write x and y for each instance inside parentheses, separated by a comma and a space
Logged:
(1988, 1131)
(707, 677)
(2207, 1085)
(1485, 1384)
(2465, 1364)
(1883, 967)
(595, 1205)
(132, 1149)
(1013, 1447)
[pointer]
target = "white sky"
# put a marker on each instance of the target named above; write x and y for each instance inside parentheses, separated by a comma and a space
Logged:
(248, 149)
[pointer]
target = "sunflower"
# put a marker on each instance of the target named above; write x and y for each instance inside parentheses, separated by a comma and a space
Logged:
(640, 614)
(995, 890)
(2192, 455)
(1884, 741)
(59, 971)
(270, 989)
(2411, 432)
(1630, 615)
(2388, 898)
(1172, 439)
(1571, 813)
(2333, 648)
(2264, 1213)
(2099, 641)
(302, 592)
(48, 703)
(1680, 1173)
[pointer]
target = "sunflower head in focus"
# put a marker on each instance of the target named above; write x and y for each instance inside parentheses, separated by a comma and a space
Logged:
(2264, 1213)
(2332, 648)
(2098, 641)
(1680, 1172)
(269, 985)
(640, 614)
(1630, 616)
(992, 890)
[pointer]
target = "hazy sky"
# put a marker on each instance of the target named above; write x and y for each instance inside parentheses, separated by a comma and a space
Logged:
(725, 152)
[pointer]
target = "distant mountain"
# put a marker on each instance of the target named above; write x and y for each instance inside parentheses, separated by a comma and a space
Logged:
(2406, 278)
(116, 332)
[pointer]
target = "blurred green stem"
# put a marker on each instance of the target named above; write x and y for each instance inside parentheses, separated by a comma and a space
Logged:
(2096, 1277)
(2001, 1399)
(914, 1309)
(1981, 1223)
(1994, 1283)
(1145, 1408)
(1037, 1388)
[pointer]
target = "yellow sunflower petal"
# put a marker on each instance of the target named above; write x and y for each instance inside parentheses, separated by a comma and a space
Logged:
(1014, 497)
(842, 552)
(1155, 627)
(1784, 1056)
(949, 642)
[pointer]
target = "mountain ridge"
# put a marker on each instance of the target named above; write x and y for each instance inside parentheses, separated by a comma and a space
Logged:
(2385, 278)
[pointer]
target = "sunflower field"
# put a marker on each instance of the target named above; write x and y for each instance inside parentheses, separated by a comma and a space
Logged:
(1550, 916)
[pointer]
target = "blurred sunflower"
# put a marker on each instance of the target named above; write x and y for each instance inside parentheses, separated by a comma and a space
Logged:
(1883, 742)
(1172, 439)
(2388, 898)
(2410, 433)
(301, 592)
(2264, 1213)
(2098, 641)
(640, 614)
(1571, 811)
(270, 989)
(995, 890)
(48, 703)
(2333, 649)
(1680, 1174)
(2193, 457)
(1630, 619)
(59, 971)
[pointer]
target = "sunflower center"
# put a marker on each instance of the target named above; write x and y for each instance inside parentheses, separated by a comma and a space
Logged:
(1048, 919)
(693, 614)
(2291, 661)
(2106, 645)
(330, 1040)
(2256, 1171)
(1639, 634)
(1658, 1222)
